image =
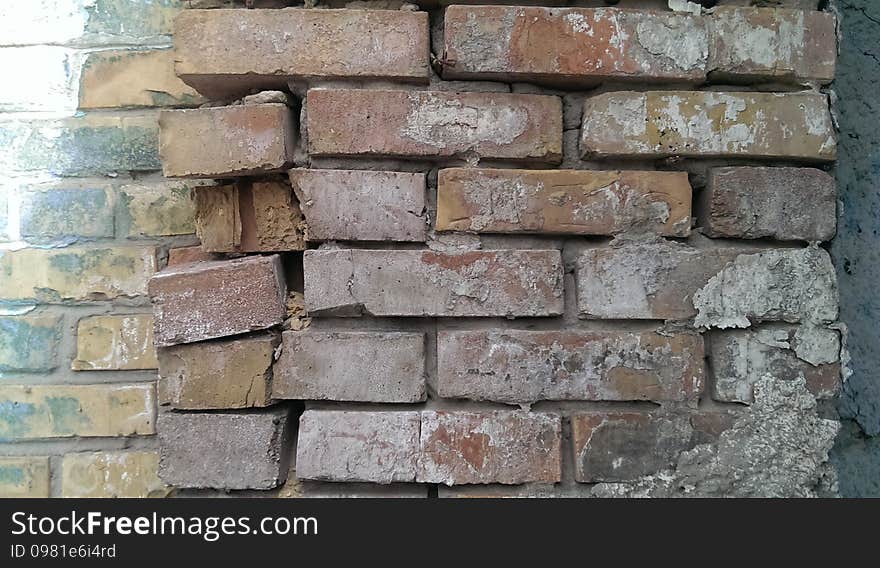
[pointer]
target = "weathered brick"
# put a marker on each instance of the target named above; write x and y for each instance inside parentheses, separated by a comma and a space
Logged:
(512, 283)
(4, 214)
(234, 373)
(573, 46)
(217, 217)
(434, 124)
(623, 446)
(654, 280)
(226, 141)
(751, 44)
(76, 274)
(741, 358)
(24, 477)
(187, 255)
(129, 78)
(351, 366)
(63, 411)
(778, 203)
(506, 447)
(270, 218)
(708, 124)
(377, 447)
(582, 202)
(128, 474)
(207, 300)
(224, 450)
(111, 343)
(66, 213)
(155, 210)
(29, 344)
(45, 77)
(358, 205)
(93, 144)
(519, 367)
(229, 51)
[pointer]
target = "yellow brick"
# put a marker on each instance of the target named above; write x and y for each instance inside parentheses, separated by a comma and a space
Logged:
(127, 78)
(24, 477)
(152, 210)
(112, 474)
(105, 343)
(76, 273)
(59, 411)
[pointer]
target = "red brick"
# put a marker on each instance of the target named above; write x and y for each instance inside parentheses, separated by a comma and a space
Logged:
(351, 366)
(223, 52)
(749, 44)
(206, 300)
(517, 367)
(360, 205)
(708, 124)
(378, 447)
(778, 203)
(623, 446)
(226, 141)
(655, 280)
(506, 447)
(187, 255)
(511, 283)
(573, 46)
(428, 124)
(578, 202)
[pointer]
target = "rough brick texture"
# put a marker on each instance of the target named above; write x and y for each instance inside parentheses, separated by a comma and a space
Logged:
(786, 204)
(226, 141)
(708, 124)
(431, 124)
(229, 51)
(573, 46)
(347, 205)
(111, 475)
(527, 366)
(379, 447)
(114, 343)
(426, 283)
(563, 202)
(207, 300)
(351, 366)
(231, 450)
(234, 373)
(489, 447)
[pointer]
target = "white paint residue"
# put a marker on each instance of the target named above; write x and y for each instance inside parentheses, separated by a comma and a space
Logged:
(440, 122)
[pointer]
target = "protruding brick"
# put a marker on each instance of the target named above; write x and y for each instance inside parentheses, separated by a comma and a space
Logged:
(708, 124)
(623, 446)
(128, 78)
(112, 475)
(573, 46)
(778, 203)
(581, 202)
(740, 358)
(226, 141)
(506, 447)
(76, 274)
(207, 300)
(359, 205)
(511, 283)
(224, 450)
(655, 280)
(248, 216)
(351, 366)
(208, 375)
(220, 52)
(378, 447)
(520, 367)
(62, 411)
(115, 343)
(429, 124)
(24, 477)
(750, 44)
(29, 344)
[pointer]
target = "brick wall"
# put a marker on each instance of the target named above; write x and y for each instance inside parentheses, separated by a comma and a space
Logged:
(447, 251)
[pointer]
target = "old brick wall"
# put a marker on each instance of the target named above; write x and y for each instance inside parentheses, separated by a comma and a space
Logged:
(449, 251)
